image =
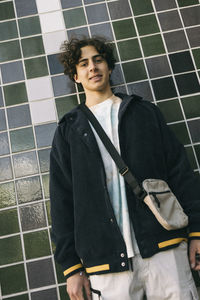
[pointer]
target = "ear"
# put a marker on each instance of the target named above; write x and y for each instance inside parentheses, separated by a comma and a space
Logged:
(110, 71)
(76, 78)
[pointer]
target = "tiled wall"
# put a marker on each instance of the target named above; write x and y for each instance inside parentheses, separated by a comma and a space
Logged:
(157, 45)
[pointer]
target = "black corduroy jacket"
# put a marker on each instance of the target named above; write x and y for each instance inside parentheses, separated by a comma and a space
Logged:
(84, 226)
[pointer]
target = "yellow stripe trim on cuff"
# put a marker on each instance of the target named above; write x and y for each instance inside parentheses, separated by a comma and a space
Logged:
(171, 242)
(66, 272)
(194, 234)
(98, 268)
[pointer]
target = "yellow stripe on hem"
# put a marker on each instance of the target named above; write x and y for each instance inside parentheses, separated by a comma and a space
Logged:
(66, 272)
(194, 234)
(98, 268)
(171, 242)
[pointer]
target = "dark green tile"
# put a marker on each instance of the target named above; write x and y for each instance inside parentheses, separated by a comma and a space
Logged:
(29, 189)
(65, 104)
(74, 17)
(181, 132)
(15, 93)
(7, 194)
(10, 51)
(171, 110)
(197, 150)
(13, 251)
(48, 212)
(59, 273)
(134, 71)
(191, 106)
(63, 293)
(29, 26)
(32, 46)
(22, 139)
(124, 29)
(182, 3)
(129, 49)
(7, 11)
(190, 155)
(36, 244)
(36, 67)
(8, 30)
(141, 7)
(13, 279)
(147, 24)
(9, 222)
(152, 45)
(45, 181)
(20, 297)
(196, 54)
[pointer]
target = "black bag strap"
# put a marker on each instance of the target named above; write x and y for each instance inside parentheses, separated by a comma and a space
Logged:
(123, 168)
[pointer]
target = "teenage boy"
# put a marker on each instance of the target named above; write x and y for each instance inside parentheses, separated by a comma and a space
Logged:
(107, 242)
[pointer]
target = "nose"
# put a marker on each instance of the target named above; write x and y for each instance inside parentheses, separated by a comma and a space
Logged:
(92, 66)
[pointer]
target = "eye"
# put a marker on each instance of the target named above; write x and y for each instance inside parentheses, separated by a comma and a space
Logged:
(99, 60)
(84, 64)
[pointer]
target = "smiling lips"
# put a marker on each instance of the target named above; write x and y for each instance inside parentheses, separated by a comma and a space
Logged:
(96, 77)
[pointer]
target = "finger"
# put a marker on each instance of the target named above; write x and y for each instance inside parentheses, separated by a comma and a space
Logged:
(87, 290)
(192, 257)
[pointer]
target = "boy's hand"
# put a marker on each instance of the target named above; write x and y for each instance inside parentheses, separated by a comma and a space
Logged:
(75, 285)
(194, 249)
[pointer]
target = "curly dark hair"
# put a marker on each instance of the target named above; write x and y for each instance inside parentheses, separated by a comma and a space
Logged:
(71, 52)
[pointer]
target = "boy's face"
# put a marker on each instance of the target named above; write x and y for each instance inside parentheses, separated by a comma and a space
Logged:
(92, 70)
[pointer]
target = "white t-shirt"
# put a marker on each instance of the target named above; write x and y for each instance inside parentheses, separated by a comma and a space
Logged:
(106, 113)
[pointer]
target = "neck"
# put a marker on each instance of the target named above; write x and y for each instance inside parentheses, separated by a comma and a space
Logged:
(96, 97)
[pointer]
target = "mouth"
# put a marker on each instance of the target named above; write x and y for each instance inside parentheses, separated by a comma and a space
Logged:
(96, 77)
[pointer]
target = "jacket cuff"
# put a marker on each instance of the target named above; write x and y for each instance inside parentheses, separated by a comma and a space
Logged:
(73, 270)
(194, 235)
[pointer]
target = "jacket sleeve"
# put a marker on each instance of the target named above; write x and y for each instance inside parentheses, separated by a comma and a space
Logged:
(61, 198)
(182, 180)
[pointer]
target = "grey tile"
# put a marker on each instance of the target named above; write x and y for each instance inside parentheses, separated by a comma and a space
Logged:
(1, 98)
(116, 76)
(40, 273)
(78, 33)
(164, 4)
(176, 40)
(97, 13)
(44, 156)
(29, 189)
(4, 145)
(119, 9)
(62, 85)
(19, 116)
(6, 169)
(25, 7)
(12, 72)
(193, 35)
(44, 134)
(2, 120)
(92, 1)
(70, 3)
(119, 89)
(191, 16)
(194, 127)
(170, 20)
(158, 66)
(102, 30)
(142, 89)
(50, 294)
(54, 65)
(25, 164)
(32, 216)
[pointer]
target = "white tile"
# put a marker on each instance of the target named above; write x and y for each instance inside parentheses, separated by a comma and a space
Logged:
(52, 21)
(45, 6)
(39, 88)
(53, 40)
(42, 111)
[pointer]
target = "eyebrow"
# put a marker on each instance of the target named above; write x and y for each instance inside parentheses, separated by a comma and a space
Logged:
(85, 59)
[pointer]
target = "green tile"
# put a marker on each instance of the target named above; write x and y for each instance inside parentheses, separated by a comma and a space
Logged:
(15, 93)
(29, 189)
(22, 139)
(191, 106)
(74, 17)
(197, 150)
(9, 222)
(8, 30)
(134, 71)
(196, 54)
(147, 24)
(65, 104)
(7, 194)
(182, 3)
(48, 212)
(129, 49)
(63, 293)
(141, 7)
(190, 155)
(152, 45)
(59, 273)
(45, 181)
(29, 26)
(32, 46)
(181, 133)
(36, 67)
(9, 51)
(13, 251)
(171, 110)
(7, 11)
(36, 244)
(82, 97)
(20, 297)
(124, 29)
(13, 279)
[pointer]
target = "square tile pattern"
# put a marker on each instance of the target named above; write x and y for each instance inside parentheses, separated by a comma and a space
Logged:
(157, 48)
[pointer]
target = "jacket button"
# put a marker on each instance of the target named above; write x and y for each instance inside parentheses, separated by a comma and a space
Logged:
(122, 254)
(85, 134)
(123, 264)
(111, 220)
(71, 119)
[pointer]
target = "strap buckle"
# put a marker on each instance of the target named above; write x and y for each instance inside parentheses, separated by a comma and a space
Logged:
(124, 170)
